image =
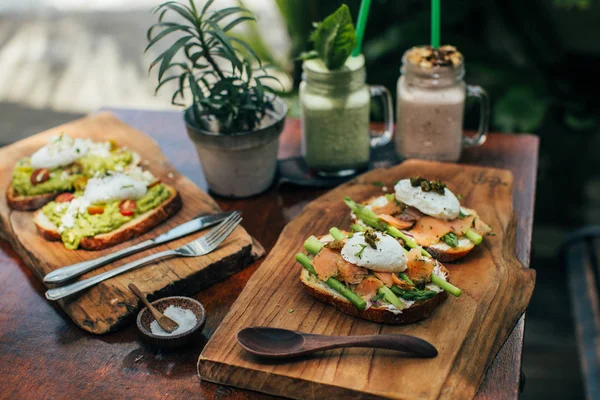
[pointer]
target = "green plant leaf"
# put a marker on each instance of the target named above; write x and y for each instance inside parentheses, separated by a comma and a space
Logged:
(182, 10)
(227, 50)
(161, 83)
(236, 22)
(247, 47)
(195, 88)
(184, 28)
(161, 35)
(260, 90)
(219, 15)
(168, 55)
(335, 38)
(520, 109)
(206, 7)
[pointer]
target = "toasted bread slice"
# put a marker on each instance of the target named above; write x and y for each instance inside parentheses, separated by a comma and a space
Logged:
(137, 226)
(445, 253)
(31, 203)
(418, 311)
(27, 203)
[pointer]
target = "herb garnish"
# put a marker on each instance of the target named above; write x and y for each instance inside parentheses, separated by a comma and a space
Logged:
(126, 186)
(371, 238)
(378, 183)
(359, 253)
(462, 215)
(428, 186)
(334, 39)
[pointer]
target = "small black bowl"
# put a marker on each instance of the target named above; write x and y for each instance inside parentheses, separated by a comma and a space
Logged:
(145, 318)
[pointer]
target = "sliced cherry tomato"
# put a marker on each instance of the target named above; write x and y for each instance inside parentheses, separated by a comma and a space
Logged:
(39, 175)
(64, 198)
(80, 183)
(127, 208)
(92, 210)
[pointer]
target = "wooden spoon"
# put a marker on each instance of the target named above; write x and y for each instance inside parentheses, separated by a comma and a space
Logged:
(165, 322)
(283, 343)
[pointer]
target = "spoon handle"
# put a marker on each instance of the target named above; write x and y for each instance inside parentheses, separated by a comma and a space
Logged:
(157, 314)
(405, 343)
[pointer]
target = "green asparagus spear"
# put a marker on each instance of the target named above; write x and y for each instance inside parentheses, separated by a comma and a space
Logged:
(313, 245)
(406, 278)
(413, 294)
(447, 286)
(333, 283)
(390, 297)
(337, 234)
(474, 237)
(358, 228)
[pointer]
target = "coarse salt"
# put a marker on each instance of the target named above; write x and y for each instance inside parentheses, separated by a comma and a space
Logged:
(186, 319)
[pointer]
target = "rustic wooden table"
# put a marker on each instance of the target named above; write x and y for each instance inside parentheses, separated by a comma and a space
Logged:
(44, 355)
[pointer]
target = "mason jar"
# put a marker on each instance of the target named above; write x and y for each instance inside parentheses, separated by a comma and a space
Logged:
(336, 139)
(430, 111)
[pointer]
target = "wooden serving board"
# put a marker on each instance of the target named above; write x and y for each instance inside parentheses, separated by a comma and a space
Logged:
(109, 305)
(467, 331)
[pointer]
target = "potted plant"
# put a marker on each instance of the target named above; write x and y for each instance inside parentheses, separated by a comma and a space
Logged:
(235, 120)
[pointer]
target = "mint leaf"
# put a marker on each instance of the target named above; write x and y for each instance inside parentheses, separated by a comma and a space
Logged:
(308, 55)
(335, 38)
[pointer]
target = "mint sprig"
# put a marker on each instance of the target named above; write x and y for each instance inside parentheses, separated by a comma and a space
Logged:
(335, 38)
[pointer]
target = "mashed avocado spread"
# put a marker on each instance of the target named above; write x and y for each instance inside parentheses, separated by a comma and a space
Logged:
(84, 224)
(62, 178)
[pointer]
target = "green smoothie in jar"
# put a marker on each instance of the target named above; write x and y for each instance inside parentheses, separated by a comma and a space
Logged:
(335, 117)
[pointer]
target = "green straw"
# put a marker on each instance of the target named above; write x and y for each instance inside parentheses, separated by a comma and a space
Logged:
(361, 25)
(435, 24)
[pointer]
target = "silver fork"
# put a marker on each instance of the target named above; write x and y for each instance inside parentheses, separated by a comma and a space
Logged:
(195, 248)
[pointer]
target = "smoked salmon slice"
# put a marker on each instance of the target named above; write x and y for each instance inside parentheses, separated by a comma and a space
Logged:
(428, 231)
(326, 263)
(390, 208)
(367, 289)
(398, 223)
(419, 268)
(385, 277)
(461, 225)
(351, 273)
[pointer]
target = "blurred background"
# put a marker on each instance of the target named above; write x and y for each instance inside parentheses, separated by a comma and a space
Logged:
(538, 59)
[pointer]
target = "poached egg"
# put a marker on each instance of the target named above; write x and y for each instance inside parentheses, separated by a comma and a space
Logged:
(114, 187)
(387, 257)
(446, 206)
(60, 151)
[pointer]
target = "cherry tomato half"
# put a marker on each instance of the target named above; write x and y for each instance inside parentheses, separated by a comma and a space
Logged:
(127, 208)
(92, 210)
(64, 198)
(39, 175)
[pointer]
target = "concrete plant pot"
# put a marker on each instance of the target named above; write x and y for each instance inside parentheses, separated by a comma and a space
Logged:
(241, 164)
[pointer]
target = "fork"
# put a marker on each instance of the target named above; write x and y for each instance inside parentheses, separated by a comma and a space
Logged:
(195, 248)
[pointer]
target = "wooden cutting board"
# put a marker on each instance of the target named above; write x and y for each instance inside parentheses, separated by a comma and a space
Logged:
(110, 305)
(467, 331)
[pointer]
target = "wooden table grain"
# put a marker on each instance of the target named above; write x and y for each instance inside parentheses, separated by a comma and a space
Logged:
(44, 355)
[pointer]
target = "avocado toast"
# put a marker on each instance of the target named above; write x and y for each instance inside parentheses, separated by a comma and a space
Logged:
(109, 210)
(368, 274)
(423, 213)
(62, 166)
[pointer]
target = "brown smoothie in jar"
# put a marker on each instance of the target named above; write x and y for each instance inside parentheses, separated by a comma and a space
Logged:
(431, 99)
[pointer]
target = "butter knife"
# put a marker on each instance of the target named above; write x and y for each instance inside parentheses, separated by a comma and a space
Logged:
(72, 271)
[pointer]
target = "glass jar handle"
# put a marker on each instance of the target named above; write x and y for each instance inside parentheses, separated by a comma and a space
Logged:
(382, 138)
(484, 116)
